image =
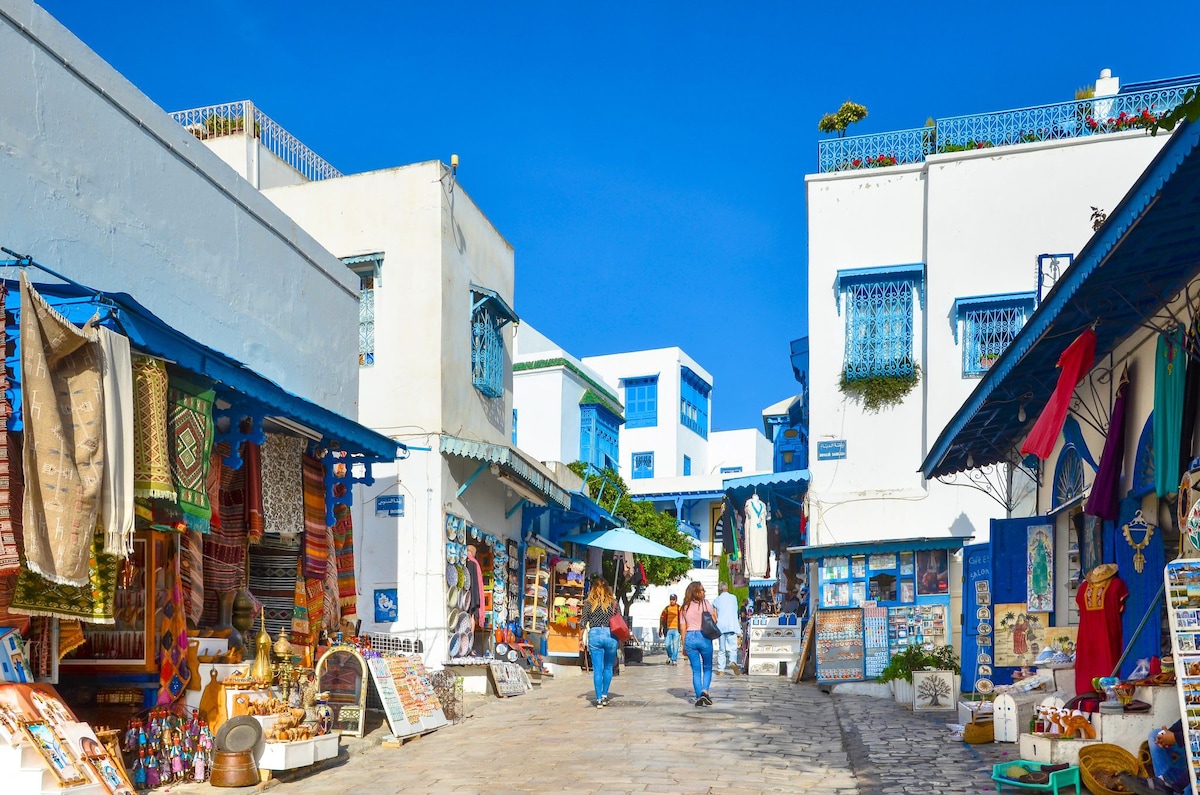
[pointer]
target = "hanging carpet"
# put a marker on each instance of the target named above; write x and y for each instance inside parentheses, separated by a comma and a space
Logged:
(316, 532)
(282, 484)
(151, 448)
(173, 669)
(64, 440)
(252, 463)
(343, 539)
(225, 544)
(1170, 377)
(191, 574)
(190, 426)
(93, 603)
(333, 613)
(273, 581)
(116, 502)
(10, 554)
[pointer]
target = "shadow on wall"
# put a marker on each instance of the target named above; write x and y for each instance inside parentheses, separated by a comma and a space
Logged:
(962, 527)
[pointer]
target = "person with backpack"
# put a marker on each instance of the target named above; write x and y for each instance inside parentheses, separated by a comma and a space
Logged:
(698, 635)
(668, 627)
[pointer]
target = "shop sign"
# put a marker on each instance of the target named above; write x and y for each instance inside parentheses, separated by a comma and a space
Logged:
(389, 505)
(831, 450)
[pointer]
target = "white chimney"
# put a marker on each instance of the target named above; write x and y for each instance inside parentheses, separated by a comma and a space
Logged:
(1106, 84)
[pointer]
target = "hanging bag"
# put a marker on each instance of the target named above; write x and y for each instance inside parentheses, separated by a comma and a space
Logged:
(618, 627)
(708, 627)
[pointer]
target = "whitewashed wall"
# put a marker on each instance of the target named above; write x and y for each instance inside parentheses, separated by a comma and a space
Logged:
(746, 447)
(978, 220)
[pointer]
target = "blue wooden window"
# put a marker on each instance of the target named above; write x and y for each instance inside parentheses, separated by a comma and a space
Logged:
(693, 401)
(489, 313)
(879, 319)
(514, 427)
(643, 464)
(641, 401)
(368, 267)
(687, 465)
(989, 324)
(598, 437)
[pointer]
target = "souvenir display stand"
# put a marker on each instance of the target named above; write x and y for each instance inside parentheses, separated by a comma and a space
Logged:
(775, 643)
(1182, 583)
(566, 607)
(1126, 730)
(839, 638)
(406, 691)
(45, 749)
(535, 612)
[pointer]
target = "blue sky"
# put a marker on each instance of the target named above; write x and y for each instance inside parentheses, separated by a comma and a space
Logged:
(645, 160)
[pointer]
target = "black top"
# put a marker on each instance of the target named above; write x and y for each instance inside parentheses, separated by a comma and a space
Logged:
(599, 617)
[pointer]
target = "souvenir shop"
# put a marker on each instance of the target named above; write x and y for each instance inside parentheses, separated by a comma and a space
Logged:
(876, 599)
(207, 570)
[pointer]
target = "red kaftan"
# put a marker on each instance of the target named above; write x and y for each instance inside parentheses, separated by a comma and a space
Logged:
(1074, 363)
(1099, 643)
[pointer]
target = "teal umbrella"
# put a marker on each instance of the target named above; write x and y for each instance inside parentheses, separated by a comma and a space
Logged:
(622, 539)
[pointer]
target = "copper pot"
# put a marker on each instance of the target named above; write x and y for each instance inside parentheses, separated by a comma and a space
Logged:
(234, 769)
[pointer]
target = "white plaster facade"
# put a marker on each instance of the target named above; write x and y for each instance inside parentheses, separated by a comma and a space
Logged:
(978, 221)
(100, 184)
(743, 451)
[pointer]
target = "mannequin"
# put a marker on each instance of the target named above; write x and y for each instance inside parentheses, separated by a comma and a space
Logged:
(1101, 600)
(756, 537)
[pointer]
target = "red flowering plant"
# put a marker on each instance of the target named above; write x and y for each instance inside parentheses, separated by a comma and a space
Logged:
(881, 160)
(1124, 121)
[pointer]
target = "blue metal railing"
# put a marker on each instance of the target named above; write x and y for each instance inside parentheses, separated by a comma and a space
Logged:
(1059, 121)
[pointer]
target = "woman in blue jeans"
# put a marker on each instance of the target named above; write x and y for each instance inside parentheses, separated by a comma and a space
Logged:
(698, 648)
(598, 609)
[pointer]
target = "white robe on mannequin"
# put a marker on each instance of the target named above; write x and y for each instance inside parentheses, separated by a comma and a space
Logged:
(756, 537)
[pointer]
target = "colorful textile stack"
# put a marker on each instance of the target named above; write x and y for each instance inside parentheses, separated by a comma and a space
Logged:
(316, 532)
(8, 582)
(302, 633)
(64, 440)
(10, 554)
(282, 482)
(273, 581)
(343, 539)
(151, 448)
(190, 426)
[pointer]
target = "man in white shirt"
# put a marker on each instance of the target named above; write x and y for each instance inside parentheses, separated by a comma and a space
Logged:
(726, 605)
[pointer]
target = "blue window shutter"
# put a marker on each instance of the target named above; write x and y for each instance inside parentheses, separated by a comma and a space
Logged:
(687, 465)
(641, 402)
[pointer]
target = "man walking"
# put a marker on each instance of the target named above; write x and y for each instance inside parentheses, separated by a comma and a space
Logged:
(668, 626)
(726, 605)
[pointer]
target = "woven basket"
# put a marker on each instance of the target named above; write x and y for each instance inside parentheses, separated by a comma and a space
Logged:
(979, 732)
(1101, 757)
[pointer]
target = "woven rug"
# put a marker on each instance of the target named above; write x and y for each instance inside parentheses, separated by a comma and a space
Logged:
(151, 448)
(333, 611)
(302, 633)
(225, 544)
(70, 637)
(173, 670)
(8, 582)
(116, 502)
(273, 581)
(282, 484)
(10, 554)
(64, 439)
(316, 532)
(190, 427)
(252, 463)
(191, 574)
(343, 539)
(93, 603)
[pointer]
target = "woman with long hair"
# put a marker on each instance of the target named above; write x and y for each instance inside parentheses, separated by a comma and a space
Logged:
(598, 609)
(698, 648)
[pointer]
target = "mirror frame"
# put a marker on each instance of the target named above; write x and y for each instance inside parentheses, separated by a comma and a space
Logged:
(323, 664)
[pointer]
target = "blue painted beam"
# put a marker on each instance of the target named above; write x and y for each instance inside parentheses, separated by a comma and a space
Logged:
(508, 514)
(463, 488)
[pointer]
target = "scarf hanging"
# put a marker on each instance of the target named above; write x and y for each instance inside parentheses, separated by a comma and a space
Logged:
(343, 539)
(94, 603)
(1170, 376)
(63, 403)
(252, 463)
(316, 532)
(190, 426)
(116, 504)
(282, 484)
(1104, 500)
(151, 449)
(1191, 392)
(214, 489)
(1074, 364)
(301, 625)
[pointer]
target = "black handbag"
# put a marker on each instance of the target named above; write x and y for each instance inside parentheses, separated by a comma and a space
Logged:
(708, 627)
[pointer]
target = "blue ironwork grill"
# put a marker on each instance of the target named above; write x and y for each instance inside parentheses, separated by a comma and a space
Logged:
(643, 465)
(598, 438)
(879, 329)
(1058, 121)
(487, 353)
(988, 333)
(366, 322)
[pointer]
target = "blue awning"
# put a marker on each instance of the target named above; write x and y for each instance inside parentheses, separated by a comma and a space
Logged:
(765, 582)
(880, 547)
(589, 508)
(500, 308)
(235, 383)
(512, 462)
(786, 484)
(1147, 251)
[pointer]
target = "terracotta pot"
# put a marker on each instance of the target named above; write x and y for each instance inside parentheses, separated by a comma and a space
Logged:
(234, 769)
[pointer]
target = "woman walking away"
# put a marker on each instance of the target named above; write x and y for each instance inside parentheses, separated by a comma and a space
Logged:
(698, 648)
(598, 608)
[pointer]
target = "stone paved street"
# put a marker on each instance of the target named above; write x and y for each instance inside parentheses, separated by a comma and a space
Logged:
(762, 735)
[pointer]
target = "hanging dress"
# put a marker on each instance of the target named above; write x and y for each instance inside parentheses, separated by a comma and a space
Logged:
(1191, 392)
(1101, 601)
(1075, 363)
(1104, 500)
(1170, 366)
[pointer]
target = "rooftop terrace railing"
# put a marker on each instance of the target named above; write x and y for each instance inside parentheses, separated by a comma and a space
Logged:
(229, 118)
(1060, 121)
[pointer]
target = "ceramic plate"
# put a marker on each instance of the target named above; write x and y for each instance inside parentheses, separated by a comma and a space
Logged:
(452, 618)
(466, 641)
(984, 614)
(451, 574)
(452, 596)
(464, 599)
(983, 658)
(984, 686)
(464, 624)
(462, 576)
(456, 646)
(501, 649)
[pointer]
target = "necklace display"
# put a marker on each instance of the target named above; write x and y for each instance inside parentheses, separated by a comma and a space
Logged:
(1136, 524)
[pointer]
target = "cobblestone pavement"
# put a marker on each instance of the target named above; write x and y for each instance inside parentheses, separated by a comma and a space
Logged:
(762, 735)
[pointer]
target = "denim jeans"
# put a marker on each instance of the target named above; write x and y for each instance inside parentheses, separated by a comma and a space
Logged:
(603, 647)
(673, 645)
(1170, 763)
(699, 650)
(727, 647)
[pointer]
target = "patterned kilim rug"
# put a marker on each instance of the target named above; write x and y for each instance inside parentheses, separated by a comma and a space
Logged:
(252, 463)
(190, 426)
(225, 544)
(273, 581)
(151, 449)
(343, 539)
(283, 484)
(173, 669)
(10, 555)
(316, 533)
(93, 603)
(64, 440)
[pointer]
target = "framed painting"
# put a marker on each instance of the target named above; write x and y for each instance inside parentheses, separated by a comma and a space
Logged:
(933, 572)
(54, 750)
(1019, 634)
(934, 690)
(1039, 569)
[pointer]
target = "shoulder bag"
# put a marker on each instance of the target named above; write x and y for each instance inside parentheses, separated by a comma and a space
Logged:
(708, 627)
(618, 627)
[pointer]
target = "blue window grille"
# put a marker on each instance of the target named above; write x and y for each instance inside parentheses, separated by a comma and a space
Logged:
(879, 318)
(598, 437)
(514, 427)
(369, 268)
(730, 470)
(687, 465)
(643, 465)
(489, 313)
(989, 324)
(693, 401)
(641, 402)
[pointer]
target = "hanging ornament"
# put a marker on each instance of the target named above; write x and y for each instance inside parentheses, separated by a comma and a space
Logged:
(1138, 524)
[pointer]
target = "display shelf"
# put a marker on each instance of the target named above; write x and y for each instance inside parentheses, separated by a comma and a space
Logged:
(536, 611)
(775, 645)
(566, 607)
(840, 651)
